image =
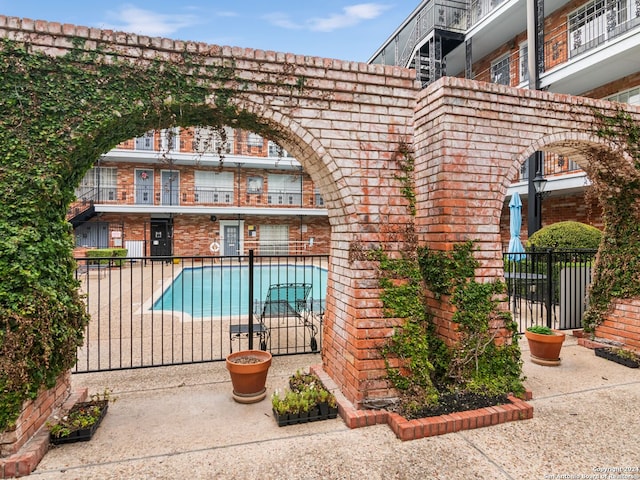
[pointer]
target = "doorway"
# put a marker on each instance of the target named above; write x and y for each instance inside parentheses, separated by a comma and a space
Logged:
(161, 233)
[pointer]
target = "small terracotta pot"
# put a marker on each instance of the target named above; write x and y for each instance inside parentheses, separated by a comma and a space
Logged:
(545, 349)
(249, 378)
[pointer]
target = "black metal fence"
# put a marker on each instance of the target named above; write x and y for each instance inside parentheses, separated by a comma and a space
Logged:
(158, 311)
(549, 287)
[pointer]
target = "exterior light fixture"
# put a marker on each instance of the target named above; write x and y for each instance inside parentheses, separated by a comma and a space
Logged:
(539, 183)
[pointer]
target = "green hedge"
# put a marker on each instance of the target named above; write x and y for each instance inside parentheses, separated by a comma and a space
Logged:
(568, 235)
(107, 255)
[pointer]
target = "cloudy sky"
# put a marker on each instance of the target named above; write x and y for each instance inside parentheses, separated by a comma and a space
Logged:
(349, 30)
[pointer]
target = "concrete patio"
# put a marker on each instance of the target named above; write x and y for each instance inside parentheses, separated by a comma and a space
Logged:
(181, 422)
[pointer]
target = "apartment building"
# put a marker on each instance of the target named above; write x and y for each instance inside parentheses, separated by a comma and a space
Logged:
(580, 47)
(199, 191)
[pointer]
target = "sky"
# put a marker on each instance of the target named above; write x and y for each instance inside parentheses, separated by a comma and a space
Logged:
(347, 30)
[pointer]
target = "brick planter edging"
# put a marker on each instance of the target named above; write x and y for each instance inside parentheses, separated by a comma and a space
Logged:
(405, 429)
(25, 460)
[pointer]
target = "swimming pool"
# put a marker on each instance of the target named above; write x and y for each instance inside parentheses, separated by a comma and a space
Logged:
(223, 290)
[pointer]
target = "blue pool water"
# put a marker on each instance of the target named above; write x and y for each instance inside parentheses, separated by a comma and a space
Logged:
(224, 290)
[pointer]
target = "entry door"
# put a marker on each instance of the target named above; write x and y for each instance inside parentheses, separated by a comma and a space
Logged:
(170, 187)
(231, 240)
(160, 238)
(144, 187)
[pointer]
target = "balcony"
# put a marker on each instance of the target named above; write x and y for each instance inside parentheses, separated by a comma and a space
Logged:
(198, 200)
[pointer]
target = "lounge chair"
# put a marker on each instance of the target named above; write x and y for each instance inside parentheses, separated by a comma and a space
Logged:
(285, 303)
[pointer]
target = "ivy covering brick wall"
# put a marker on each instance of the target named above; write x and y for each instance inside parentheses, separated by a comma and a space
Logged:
(59, 115)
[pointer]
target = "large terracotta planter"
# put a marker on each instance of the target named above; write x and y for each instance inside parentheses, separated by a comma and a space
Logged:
(545, 349)
(248, 370)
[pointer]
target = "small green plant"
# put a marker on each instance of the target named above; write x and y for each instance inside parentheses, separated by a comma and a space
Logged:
(305, 394)
(541, 330)
(626, 354)
(81, 416)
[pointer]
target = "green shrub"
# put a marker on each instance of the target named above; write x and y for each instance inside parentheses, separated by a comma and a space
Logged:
(569, 235)
(106, 255)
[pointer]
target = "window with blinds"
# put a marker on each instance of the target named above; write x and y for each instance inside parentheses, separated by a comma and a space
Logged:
(213, 187)
(274, 239)
(284, 189)
(98, 184)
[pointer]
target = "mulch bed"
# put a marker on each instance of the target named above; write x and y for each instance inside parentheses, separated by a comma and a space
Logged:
(454, 402)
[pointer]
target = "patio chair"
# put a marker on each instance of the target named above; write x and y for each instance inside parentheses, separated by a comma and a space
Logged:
(285, 302)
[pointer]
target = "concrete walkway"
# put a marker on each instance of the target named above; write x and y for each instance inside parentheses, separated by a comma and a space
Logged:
(181, 423)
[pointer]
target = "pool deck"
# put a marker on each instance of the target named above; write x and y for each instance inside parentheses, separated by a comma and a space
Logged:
(181, 422)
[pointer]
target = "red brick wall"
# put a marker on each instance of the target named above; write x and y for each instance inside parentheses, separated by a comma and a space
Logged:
(192, 234)
(34, 415)
(622, 325)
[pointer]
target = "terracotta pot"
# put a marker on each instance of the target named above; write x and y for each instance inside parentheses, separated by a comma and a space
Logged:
(248, 370)
(545, 349)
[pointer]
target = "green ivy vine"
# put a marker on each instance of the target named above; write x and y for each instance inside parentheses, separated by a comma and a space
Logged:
(58, 115)
(615, 176)
(419, 364)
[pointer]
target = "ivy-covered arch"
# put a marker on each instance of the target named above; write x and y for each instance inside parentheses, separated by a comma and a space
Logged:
(60, 113)
(610, 155)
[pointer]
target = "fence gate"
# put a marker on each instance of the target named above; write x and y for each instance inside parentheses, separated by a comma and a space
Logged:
(549, 287)
(158, 311)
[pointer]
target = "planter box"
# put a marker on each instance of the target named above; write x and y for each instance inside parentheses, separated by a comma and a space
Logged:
(83, 434)
(609, 355)
(314, 415)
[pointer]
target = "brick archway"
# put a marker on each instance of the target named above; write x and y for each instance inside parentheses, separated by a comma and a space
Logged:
(471, 137)
(344, 122)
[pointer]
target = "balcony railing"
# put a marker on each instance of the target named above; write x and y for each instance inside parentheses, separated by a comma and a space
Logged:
(452, 15)
(185, 143)
(195, 196)
(554, 165)
(447, 15)
(562, 44)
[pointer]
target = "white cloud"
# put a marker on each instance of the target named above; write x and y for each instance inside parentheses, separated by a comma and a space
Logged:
(145, 22)
(350, 16)
(282, 20)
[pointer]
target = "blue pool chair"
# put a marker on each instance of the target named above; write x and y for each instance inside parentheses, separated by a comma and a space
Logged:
(285, 303)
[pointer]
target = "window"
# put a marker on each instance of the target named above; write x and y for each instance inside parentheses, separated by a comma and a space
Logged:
(284, 189)
(631, 96)
(213, 187)
(523, 63)
(276, 150)
(500, 71)
(99, 184)
(170, 139)
(209, 140)
(254, 184)
(254, 140)
(274, 239)
(318, 198)
(145, 142)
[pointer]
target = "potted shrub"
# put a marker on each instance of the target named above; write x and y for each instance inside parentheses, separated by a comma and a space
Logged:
(544, 345)
(248, 370)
